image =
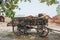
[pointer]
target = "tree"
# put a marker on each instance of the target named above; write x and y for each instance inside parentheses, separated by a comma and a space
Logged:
(8, 6)
(49, 2)
(58, 9)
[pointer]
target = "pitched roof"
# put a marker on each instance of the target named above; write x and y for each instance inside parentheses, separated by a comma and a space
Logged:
(56, 18)
(48, 17)
(1, 16)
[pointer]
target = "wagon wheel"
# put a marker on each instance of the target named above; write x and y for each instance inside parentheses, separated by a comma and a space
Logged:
(43, 33)
(14, 31)
(19, 31)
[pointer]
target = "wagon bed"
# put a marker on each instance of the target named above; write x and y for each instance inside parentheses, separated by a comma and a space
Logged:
(30, 21)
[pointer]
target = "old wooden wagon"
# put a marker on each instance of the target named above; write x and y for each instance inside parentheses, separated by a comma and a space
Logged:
(30, 25)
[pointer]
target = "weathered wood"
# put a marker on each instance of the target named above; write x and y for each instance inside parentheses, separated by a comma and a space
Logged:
(32, 21)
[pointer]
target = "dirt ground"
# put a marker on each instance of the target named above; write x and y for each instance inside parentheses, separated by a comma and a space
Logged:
(7, 34)
(11, 36)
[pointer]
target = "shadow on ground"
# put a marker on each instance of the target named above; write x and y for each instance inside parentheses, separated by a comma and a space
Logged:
(12, 36)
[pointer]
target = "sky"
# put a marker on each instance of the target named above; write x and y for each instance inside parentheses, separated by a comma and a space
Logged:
(34, 8)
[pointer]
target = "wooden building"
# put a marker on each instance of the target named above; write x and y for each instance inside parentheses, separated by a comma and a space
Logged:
(2, 19)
